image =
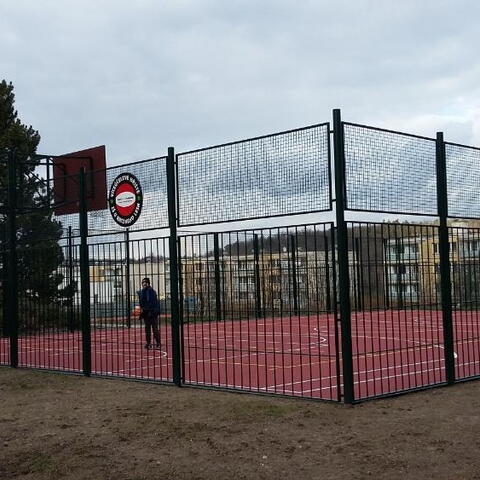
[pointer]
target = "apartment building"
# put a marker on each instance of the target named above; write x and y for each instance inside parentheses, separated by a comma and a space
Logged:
(113, 286)
(413, 266)
(272, 282)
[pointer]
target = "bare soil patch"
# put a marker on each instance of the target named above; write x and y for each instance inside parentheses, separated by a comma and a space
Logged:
(57, 426)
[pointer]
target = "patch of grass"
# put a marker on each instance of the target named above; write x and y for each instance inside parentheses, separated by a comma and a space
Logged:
(43, 463)
(260, 410)
(23, 385)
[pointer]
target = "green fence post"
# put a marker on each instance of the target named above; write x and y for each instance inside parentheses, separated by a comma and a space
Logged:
(343, 270)
(399, 264)
(174, 268)
(181, 309)
(85, 278)
(385, 273)
(293, 259)
(358, 266)
(127, 275)
(444, 251)
(258, 293)
(218, 283)
(328, 300)
(12, 294)
(71, 311)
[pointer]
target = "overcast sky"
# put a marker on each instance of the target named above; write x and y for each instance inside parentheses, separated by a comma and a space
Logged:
(141, 75)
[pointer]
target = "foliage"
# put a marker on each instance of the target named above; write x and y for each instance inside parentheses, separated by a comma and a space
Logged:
(38, 251)
(37, 316)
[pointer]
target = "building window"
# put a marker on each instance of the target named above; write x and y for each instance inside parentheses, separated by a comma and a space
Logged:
(246, 280)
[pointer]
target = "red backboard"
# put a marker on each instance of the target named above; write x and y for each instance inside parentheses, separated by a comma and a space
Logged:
(66, 180)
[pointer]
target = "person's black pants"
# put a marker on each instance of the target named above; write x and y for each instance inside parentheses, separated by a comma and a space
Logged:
(151, 323)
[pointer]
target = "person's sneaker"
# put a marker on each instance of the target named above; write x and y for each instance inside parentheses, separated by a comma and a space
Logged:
(148, 346)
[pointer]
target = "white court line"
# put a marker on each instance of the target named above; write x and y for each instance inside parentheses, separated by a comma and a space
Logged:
(379, 379)
(398, 350)
(375, 370)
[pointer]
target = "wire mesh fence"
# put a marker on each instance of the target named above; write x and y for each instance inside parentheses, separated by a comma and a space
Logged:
(389, 171)
(463, 178)
(282, 174)
(151, 175)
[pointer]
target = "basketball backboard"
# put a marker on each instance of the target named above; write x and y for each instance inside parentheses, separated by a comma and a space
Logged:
(66, 180)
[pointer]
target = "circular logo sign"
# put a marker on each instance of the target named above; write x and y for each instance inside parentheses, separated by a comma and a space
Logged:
(125, 199)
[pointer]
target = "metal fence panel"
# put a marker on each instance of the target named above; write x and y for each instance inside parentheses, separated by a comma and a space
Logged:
(259, 311)
(397, 328)
(49, 313)
(463, 179)
(465, 275)
(4, 331)
(118, 333)
(389, 171)
(151, 175)
(282, 174)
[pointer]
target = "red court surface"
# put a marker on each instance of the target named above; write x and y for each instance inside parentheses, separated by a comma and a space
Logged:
(393, 351)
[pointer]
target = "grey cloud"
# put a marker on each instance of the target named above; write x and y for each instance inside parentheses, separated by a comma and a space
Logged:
(140, 76)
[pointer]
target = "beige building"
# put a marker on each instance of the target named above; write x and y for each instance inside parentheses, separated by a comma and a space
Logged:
(273, 283)
(413, 265)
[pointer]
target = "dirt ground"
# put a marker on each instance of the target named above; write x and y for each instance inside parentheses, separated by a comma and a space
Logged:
(58, 426)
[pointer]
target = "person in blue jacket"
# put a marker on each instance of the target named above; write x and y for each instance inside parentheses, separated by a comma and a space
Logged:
(150, 309)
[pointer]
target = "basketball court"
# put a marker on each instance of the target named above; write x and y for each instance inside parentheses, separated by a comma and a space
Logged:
(393, 351)
(244, 304)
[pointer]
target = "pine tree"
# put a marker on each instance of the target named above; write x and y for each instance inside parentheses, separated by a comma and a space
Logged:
(38, 234)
